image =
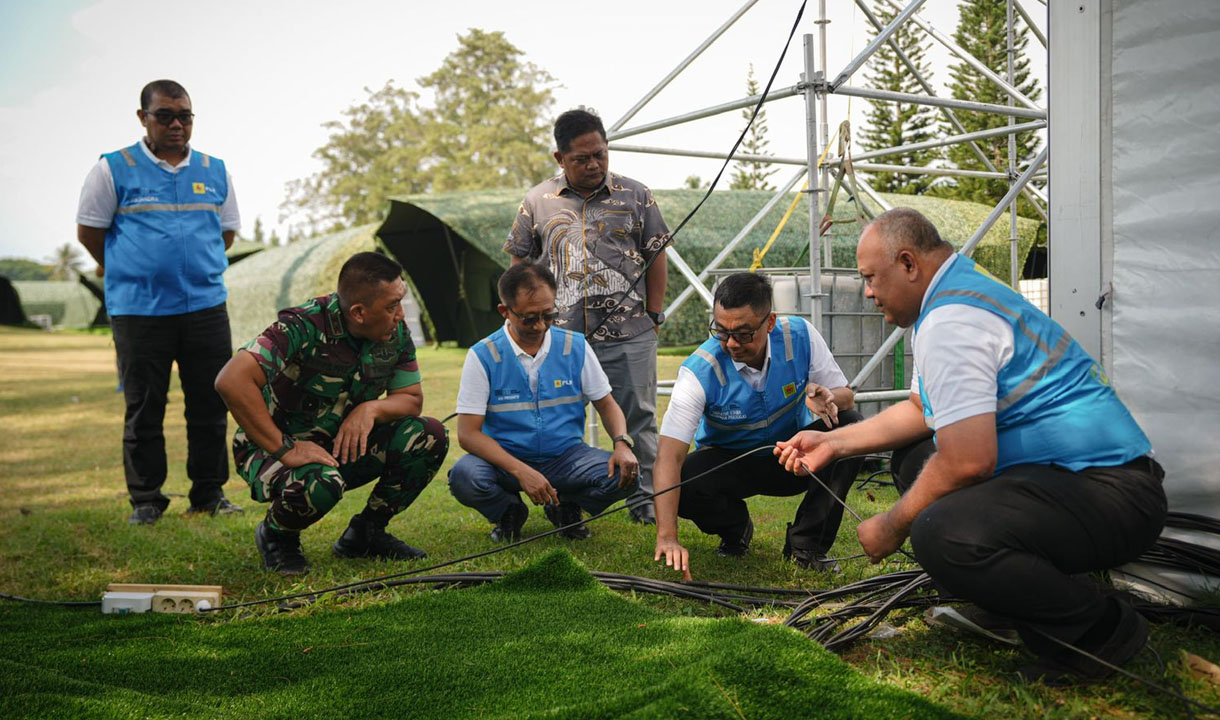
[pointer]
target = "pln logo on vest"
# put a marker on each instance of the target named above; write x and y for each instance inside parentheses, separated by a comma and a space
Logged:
(199, 188)
(562, 383)
(789, 390)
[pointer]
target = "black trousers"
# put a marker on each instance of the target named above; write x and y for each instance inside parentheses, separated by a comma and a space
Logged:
(716, 502)
(1019, 543)
(147, 347)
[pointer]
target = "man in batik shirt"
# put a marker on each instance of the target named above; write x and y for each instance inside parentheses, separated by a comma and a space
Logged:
(595, 230)
(308, 396)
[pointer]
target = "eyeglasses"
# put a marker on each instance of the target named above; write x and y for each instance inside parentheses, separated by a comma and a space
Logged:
(741, 336)
(167, 117)
(531, 320)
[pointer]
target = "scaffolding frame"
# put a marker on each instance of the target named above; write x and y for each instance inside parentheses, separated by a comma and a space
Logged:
(814, 88)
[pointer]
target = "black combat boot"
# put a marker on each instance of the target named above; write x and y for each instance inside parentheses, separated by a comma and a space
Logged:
(366, 537)
(281, 550)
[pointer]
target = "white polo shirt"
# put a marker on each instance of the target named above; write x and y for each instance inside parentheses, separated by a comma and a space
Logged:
(475, 388)
(99, 201)
(688, 401)
(959, 352)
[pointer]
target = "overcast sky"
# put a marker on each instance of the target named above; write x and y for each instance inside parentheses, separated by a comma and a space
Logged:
(265, 74)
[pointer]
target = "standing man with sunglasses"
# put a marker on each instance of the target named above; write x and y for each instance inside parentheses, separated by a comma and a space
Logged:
(755, 382)
(595, 230)
(521, 416)
(157, 216)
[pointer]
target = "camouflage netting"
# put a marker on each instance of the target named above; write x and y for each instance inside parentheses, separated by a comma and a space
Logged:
(279, 277)
(450, 244)
(68, 303)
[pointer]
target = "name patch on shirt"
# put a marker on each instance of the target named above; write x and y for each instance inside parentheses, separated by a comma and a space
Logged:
(726, 412)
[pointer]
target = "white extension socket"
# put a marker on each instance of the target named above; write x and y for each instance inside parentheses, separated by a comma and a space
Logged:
(121, 603)
(163, 598)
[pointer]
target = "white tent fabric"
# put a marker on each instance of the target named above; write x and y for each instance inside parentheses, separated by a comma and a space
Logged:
(1166, 236)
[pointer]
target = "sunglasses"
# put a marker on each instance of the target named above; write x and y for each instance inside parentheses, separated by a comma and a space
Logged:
(167, 117)
(531, 320)
(741, 336)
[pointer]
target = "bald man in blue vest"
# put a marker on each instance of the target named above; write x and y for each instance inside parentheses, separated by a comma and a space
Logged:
(521, 418)
(157, 216)
(1028, 470)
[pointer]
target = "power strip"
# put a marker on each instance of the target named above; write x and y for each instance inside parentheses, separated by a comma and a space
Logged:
(141, 597)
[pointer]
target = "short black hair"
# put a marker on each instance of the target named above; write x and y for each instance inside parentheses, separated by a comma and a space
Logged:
(165, 88)
(905, 229)
(574, 123)
(743, 289)
(362, 273)
(523, 276)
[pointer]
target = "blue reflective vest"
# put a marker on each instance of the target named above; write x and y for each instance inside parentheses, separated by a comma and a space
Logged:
(738, 417)
(1054, 404)
(534, 426)
(165, 254)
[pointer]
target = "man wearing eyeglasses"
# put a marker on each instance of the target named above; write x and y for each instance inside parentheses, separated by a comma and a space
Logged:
(756, 381)
(595, 230)
(521, 416)
(157, 216)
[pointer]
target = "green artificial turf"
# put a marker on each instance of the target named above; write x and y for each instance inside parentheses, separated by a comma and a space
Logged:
(547, 641)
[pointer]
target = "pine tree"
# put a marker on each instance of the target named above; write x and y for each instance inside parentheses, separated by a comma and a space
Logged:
(259, 237)
(753, 175)
(982, 31)
(889, 124)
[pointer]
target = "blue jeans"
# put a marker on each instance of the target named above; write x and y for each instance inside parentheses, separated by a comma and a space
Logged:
(578, 475)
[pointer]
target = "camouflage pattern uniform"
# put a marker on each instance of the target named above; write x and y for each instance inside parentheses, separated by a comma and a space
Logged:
(316, 373)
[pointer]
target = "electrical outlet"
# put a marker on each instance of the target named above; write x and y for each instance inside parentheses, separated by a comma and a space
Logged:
(175, 598)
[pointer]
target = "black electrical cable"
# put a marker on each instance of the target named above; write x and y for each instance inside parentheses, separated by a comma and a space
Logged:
(60, 603)
(762, 99)
(493, 551)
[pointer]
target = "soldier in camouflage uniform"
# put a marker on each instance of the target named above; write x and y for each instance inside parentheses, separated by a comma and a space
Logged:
(308, 396)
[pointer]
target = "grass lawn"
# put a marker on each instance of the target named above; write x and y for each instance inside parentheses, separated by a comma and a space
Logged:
(64, 536)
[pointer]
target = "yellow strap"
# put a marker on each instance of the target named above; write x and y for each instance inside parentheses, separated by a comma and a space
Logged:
(760, 253)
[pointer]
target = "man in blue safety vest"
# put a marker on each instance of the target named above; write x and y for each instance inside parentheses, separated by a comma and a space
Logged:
(1037, 474)
(157, 216)
(521, 416)
(757, 380)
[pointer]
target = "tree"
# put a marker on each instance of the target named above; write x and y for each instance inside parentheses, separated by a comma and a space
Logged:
(890, 124)
(372, 156)
(753, 175)
(486, 129)
(23, 269)
(67, 262)
(983, 32)
(258, 231)
(274, 240)
(694, 182)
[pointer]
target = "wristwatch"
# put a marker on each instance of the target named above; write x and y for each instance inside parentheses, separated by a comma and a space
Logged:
(657, 317)
(625, 438)
(287, 444)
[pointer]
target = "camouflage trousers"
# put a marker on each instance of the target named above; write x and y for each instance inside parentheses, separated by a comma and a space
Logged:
(404, 454)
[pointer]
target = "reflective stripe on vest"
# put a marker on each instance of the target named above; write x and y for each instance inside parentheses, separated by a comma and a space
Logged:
(541, 424)
(1053, 403)
(735, 415)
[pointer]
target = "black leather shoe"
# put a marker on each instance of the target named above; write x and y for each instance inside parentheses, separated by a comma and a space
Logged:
(566, 513)
(145, 515)
(508, 529)
(736, 547)
(281, 550)
(220, 507)
(1069, 667)
(815, 561)
(643, 513)
(366, 538)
